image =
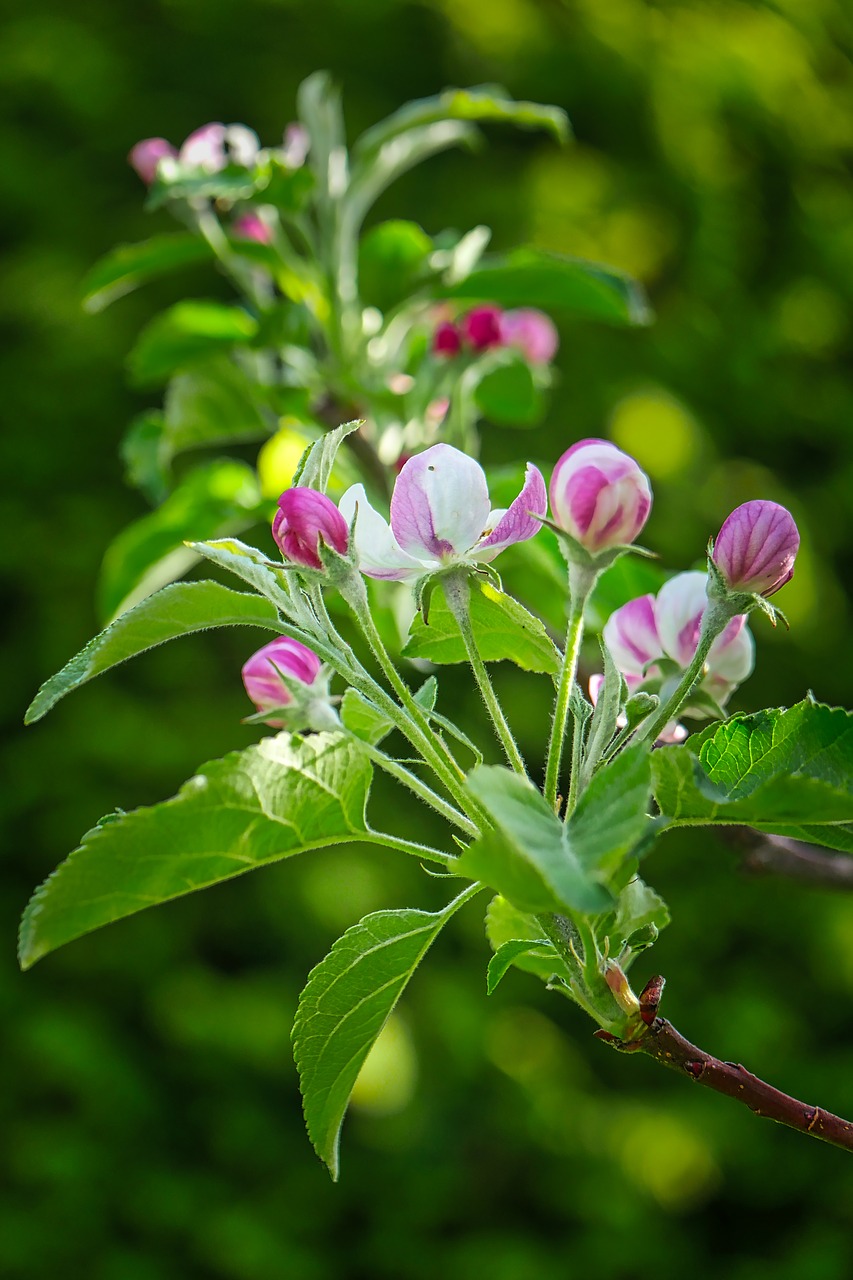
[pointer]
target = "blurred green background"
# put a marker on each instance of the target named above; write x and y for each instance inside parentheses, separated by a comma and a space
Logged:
(151, 1127)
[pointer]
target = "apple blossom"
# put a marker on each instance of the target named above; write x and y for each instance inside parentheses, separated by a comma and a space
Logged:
(446, 341)
(440, 515)
(249, 226)
(145, 157)
(532, 332)
(304, 518)
(756, 548)
(481, 327)
(262, 673)
(599, 495)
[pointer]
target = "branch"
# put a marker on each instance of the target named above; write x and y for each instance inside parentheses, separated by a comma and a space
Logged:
(661, 1041)
(777, 855)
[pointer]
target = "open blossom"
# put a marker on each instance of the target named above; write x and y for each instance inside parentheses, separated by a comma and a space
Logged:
(305, 517)
(756, 547)
(532, 332)
(262, 673)
(599, 495)
(440, 515)
(668, 626)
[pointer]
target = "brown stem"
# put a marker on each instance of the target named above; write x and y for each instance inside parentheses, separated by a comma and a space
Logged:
(661, 1041)
(777, 855)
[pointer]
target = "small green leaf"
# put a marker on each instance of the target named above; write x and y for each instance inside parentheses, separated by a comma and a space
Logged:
(227, 185)
(178, 610)
(780, 770)
(316, 463)
(344, 1006)
(505, 923)
(185, 334)
(217, 498)
(503, 629)
(130, 265)
(366, 721)
(639, 917)
(507, 955)
(281, 797)
(611, 699)
(536, 278)
(528, 857)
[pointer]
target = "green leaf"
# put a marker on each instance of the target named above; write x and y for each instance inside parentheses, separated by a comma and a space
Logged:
(536, 278)
(394, 158)
(508, 395)
(481, 103)
(391, 258)
(185, 334)
(213, 404)
(503, 629)
(318, 103)
(612, 819)
(541, 864)
(528, 857)
(281, 797)
(128, 266)
(344, 1006)
(178, 610)
(506, 956)
(316, 463)
(227, 185)
(247, 563)
(640, 909)
(367, 722)
(777, 770)
(212, 500)
(505, 923)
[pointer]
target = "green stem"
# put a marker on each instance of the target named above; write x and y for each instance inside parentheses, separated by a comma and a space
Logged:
(409, 846)
(401, 774)
(416, 726)
(581, 582)
(457, 592)
(715, 620)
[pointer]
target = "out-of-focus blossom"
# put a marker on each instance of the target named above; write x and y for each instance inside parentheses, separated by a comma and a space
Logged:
(249, 226)
(305, 517)
(440, 515)
(756, 548)
(145, 157)
(205, 149)
(296, 144)
(481, 327)
(532, 332)
(446, 340)
(262, 678)
(599, 495)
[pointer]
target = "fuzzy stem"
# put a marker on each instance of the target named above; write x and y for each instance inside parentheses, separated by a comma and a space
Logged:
(716, 618)
(402, 775)
(581, 582)
(457, 592)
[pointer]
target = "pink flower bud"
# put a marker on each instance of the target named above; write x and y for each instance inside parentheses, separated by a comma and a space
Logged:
(599, 495)
(756, 547)
(481, 327)
(146, 156)
(261, 677)
(250, 227)
(304, 517)
(296, 145)
(446, 340)
(532, 332)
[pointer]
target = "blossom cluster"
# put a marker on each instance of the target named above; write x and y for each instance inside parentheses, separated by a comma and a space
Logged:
(526, 329)
(600, 499)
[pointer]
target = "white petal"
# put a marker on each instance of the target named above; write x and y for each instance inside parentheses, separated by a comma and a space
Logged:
(379, 553)
(440, 504)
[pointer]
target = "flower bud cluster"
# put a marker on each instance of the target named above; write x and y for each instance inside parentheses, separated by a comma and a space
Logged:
(526, 330)
(211, 148)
